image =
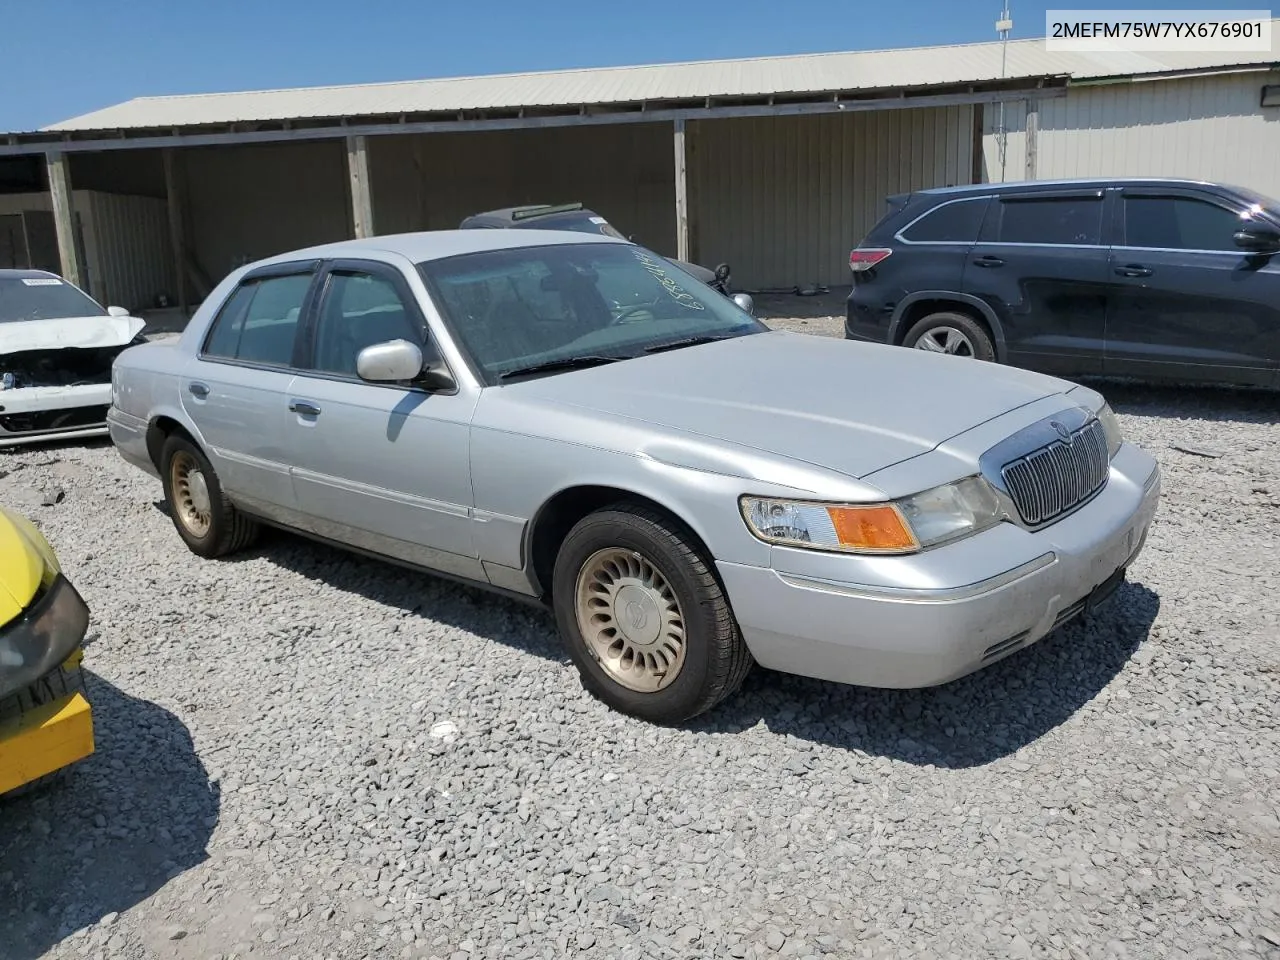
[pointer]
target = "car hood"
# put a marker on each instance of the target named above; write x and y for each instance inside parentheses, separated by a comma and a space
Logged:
(80, 332)
(846, 406)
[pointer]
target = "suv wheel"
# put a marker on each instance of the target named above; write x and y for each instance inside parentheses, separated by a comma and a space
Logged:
(951, 333)
(644, 617)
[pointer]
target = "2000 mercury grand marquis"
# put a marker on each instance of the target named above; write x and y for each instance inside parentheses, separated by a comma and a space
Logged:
(574, 420)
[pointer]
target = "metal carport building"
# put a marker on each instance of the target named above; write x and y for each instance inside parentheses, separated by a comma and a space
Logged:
(777, 165)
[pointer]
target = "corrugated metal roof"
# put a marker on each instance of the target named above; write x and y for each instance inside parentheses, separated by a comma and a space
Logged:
(807, 74)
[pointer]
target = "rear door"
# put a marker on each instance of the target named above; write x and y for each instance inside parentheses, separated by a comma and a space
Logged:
(1040, 263)
(236, 390)
(1187, 303)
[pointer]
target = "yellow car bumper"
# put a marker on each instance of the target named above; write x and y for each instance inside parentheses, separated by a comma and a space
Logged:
(44, 739)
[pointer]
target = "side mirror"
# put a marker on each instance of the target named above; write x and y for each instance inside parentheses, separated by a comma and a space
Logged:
(722, 272)
(389, 362)
(1258, 237)
(117, 312)
(744, 301)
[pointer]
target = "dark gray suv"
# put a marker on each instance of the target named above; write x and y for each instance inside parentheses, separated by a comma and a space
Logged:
(1149, 278)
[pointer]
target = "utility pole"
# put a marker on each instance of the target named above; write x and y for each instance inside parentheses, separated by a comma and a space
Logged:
(1003, 26)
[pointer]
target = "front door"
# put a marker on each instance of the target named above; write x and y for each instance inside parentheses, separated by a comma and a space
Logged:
(236, 390)
(383, 467)
(1041, 265)
(1187, 303)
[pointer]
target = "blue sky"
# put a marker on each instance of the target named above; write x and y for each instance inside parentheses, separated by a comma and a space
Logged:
(66, 57)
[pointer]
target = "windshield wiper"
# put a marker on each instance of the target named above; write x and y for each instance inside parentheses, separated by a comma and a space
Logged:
(686, 342)
(564, 363)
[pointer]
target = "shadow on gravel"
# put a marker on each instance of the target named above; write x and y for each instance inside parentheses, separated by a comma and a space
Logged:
(524, 626)
(109, 833)
(966, 723)
(1193, 401)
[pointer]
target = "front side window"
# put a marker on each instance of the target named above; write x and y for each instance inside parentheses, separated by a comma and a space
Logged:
(1179, 223)
(514, 308)
(44, 298)
(359, 310)
(955, 222)
(258, 322)
(1052, 220)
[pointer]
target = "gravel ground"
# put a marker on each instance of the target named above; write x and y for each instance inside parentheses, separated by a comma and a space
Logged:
(302, 753)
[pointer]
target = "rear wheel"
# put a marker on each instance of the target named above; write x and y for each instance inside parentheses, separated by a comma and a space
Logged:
(955, 334)
(644, 618)
(205, 519)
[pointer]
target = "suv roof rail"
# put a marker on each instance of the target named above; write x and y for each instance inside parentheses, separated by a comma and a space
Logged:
(544, 209)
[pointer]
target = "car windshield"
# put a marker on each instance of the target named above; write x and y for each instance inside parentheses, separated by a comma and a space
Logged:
(577, 222)
(523, 307)
(43, 298)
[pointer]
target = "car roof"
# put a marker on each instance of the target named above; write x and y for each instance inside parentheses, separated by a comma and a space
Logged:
(437, 244)
(1027, 185)
(8, 274)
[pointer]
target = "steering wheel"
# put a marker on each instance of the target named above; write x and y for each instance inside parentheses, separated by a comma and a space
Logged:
(631, 311)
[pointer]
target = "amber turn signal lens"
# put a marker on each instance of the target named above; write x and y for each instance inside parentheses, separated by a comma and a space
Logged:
(878, 527)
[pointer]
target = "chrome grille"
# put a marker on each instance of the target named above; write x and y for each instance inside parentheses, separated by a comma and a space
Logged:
(1048, 482)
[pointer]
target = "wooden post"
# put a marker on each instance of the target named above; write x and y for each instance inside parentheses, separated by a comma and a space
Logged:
(177, 236)
(1032, 131)
(63, 217)
(682, 193)
(361, 187)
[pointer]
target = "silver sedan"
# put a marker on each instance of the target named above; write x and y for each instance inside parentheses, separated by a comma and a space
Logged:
(572, 420)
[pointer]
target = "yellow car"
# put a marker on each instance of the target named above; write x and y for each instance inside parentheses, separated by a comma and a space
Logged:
(45, 721)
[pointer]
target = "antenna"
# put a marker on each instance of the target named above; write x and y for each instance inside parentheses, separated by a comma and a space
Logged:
(1003, 26)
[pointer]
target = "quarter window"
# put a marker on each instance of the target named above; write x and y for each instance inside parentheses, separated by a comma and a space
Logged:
(258, 322)
(955, 222)
(1052, 220)
(360, 309)
(1179, 223)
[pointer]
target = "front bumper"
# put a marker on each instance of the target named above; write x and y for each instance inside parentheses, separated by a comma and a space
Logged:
(935, 616)
(31, 414)
(37, 739)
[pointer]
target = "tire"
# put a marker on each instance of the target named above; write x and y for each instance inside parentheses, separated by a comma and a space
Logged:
(60, 683)
(660, 685)
(967, 334)
(205, 519)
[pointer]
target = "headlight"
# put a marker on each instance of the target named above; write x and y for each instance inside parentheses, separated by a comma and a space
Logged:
(1111, 427)
(900, 526)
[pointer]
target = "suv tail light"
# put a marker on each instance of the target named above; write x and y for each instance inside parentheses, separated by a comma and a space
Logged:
(864, 258)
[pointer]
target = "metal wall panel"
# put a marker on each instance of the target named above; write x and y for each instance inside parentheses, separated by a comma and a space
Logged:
(130, 235)
(625, 173)
(1209, 128)
(784, 199)
(245, 203)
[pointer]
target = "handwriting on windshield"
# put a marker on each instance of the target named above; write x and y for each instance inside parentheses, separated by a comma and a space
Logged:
(669, 284)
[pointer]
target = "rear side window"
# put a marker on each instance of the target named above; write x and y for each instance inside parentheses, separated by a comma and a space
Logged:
(1052, 220)
(1179, 223)
(258, 322)
(954, 222)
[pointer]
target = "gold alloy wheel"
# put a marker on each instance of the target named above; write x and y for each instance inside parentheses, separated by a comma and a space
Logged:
(192, 505)
(631, 620)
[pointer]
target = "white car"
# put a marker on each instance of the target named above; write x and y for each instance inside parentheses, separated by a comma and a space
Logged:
(57, 345)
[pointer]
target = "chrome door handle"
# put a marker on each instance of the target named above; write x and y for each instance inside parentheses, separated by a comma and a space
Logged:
(198, 390)
(304, 407)
(1134, 270)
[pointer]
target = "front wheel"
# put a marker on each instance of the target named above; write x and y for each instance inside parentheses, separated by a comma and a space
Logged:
(951, 333)
(644, 618)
